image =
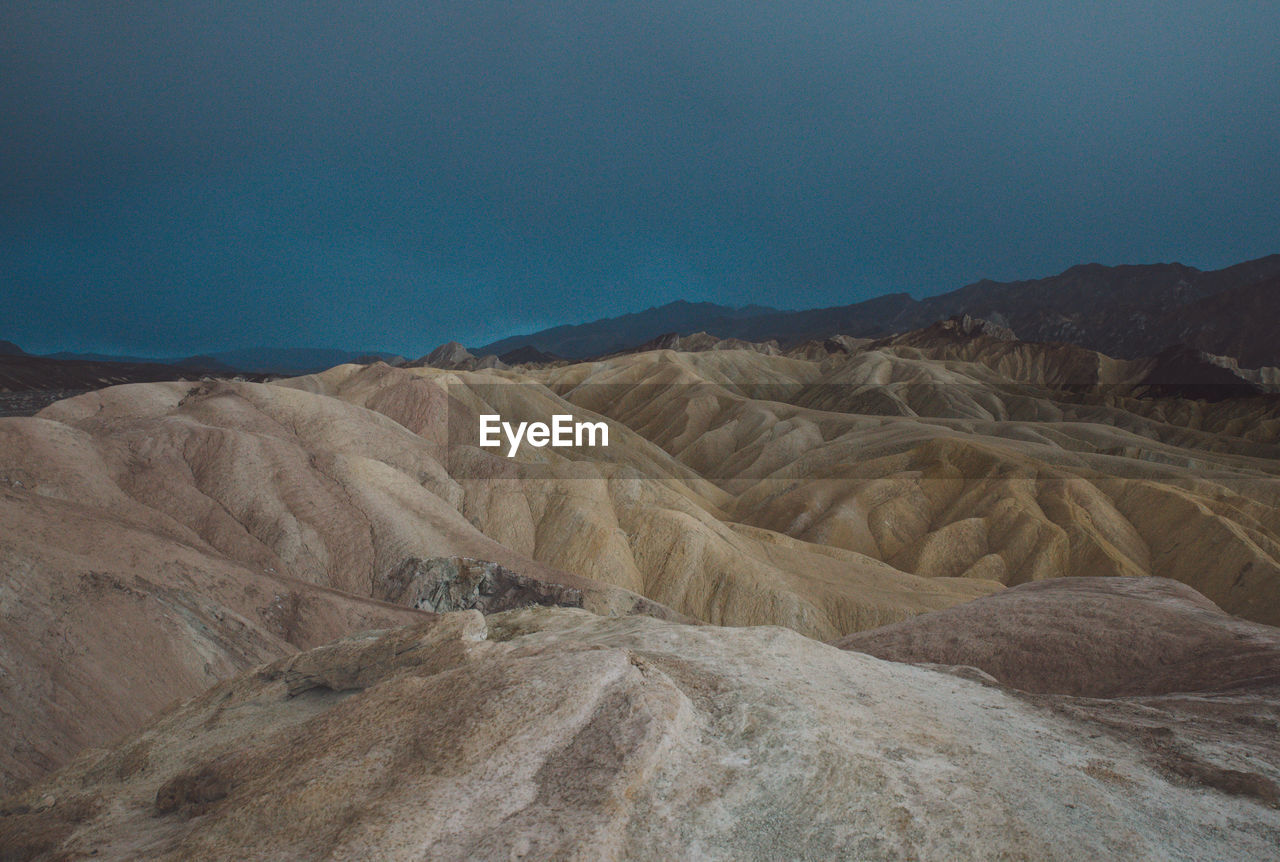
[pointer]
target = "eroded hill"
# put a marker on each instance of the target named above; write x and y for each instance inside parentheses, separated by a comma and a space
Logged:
(162, 536)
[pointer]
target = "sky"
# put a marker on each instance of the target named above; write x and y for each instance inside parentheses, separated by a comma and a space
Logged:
(181, 177)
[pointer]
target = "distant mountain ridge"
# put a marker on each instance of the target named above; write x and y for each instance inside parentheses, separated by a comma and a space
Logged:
(248, 360)
(1123, 311)
(70, 372)
(27, 373)
(296, 360)
(610, 335)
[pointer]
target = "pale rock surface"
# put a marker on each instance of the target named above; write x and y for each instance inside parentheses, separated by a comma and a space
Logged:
(557, 734)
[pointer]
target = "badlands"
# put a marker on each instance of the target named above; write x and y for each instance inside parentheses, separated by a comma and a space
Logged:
(941, 595)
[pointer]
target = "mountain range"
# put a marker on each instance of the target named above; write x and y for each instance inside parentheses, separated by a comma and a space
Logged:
(249, 360)
(840, 586)
(1122, 311)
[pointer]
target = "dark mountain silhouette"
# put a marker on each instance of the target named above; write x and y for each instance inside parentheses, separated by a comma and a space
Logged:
(249, 360)
(205, 363)
(698, 342)
(24, 373)
(73, 356)
(619, 333)
(1123, 311)
(295, 360)
(527, 354)
(1184, 372)
(1240, 322)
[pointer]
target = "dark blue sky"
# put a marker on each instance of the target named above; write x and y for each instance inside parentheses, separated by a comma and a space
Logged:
(179, 177)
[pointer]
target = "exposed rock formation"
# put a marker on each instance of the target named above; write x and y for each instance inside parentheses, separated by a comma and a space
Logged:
(699, 341)
(830, 495)
(157, 538)
(107, 616)
(552, 733)
(443, 584)
(958, 327)
(452, 355)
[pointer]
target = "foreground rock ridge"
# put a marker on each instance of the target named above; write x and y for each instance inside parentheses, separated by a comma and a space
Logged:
(554, 733)
(1092, 543)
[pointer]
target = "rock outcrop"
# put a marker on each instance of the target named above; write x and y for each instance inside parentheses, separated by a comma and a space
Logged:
(453, 356)
(698, 342)
(553, 734)
(443, 584)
